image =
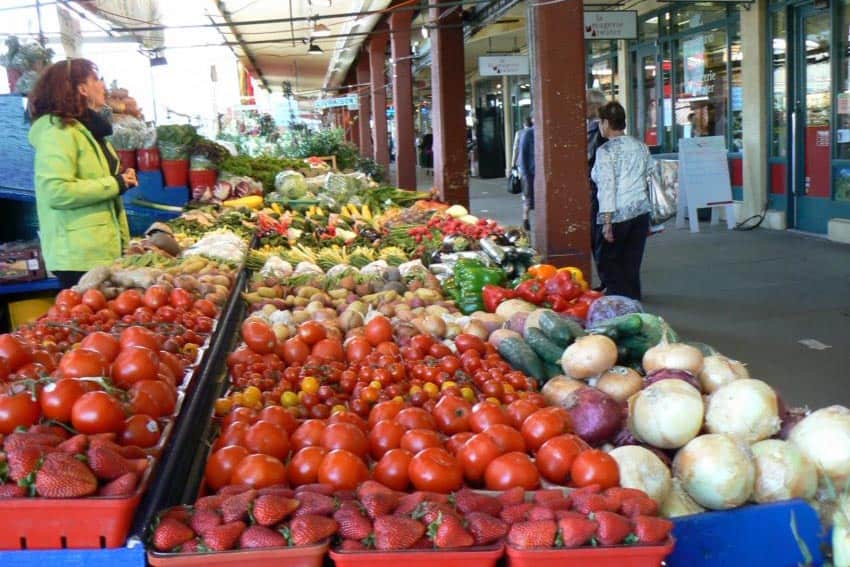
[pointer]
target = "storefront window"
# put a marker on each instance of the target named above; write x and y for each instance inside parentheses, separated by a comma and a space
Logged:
(603, 76)
(649, 28)
(693, 16)
(736, 95)
(842, 133)
(701, 94)
(779, 59)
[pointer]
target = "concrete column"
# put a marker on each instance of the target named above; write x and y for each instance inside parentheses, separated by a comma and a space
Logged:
(562, 193)
(405, 150)
(755, 114)
(377, 49)
(508, 114)
(624, 70)
(448, 81)
(364, 114)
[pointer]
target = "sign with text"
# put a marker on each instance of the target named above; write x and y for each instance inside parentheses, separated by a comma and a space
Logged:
(498, 65)
(349, 101)
(620, 24)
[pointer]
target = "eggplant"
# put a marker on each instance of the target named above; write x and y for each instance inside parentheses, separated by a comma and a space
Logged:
(493, 250)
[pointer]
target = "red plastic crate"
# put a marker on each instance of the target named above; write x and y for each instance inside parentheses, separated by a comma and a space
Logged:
(473, 557)
(302, 556)
(614, 556)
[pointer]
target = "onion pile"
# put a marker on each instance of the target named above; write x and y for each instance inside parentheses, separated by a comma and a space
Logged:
(596, 417)
(589, 356)
(746, 409)
(824, 437)
(716, 471)
(620, 383)
(782, 472)
(673, 356)
(666, 414)
(718, 370)
(679, 502)
(642, 469)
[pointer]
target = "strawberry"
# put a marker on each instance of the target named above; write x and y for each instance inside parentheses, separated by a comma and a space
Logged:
(562, 514)
(423, 543)
(63, 476)
(589, 503)
(191, 546)
(270, 509)
(538, 533)
(352, 524)
(613, 528)
(180, 513)
(313, 503)
(396, 532)
(352, 545)
(515, 495)
(261, 536)
(576, 531)
(485, 529)
(345, 495)
(468, 501)
(372, 487)
(379, 503)
(553, 499)
(618, 494)
(24, 460)
(170, 534)
(639, 506)
(12, 491)
(25, 439)
(310, 529)
(106, 463)
(46, 429)
(408, 503)
(78, 444)
(448, 532)
(279, 489)
(325, 489)
(516, 512)
(124, 485)
(237, 507)
(234, 489)
(204, 520)
(224, 537)
(212, 502)
(652, 530)
(429, 512)
(541, 513)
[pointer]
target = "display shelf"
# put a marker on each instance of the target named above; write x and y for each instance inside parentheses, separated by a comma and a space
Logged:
(50, 284)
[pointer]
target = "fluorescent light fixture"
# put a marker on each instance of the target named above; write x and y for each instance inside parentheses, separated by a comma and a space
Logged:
(315, 49)
(424, 31)
(158, 61)
(321, 30)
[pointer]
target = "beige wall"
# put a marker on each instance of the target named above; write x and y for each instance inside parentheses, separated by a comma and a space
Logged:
(753, 69)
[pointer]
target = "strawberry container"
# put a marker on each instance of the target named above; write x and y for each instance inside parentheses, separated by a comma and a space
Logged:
(471, 557)
(301, 556)
(613, 556)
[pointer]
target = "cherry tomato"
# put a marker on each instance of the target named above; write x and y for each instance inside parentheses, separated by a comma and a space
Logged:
(595, 467)
(476, 454)
(259, 471)
(392, 469)
(511, 470)
(221, 464)
(343, 470)
(304, 466)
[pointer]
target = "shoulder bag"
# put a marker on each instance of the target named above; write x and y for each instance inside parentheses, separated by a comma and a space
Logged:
(514, 182)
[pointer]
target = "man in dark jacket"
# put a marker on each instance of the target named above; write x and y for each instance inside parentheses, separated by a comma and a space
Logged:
(595, 99)
(525, 163)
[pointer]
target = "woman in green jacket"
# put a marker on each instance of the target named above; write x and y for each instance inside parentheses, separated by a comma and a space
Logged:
(78, 177)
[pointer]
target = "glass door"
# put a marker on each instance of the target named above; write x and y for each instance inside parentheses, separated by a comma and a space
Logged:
(647, 96)
(812, 135)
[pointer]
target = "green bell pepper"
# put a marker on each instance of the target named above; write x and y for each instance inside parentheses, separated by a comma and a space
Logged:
(470, 277)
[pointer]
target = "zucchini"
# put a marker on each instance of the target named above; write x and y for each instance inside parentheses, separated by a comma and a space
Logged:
(560, 330)
(547, 350)
(517, 352)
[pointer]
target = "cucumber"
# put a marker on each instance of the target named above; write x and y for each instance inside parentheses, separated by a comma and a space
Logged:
(552, 370)
(560, 330)
(629, 324)
(517, 352)
(547, 350)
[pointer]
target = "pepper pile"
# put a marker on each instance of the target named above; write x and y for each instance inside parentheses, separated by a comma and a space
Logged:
(563, 290)
(470, 278)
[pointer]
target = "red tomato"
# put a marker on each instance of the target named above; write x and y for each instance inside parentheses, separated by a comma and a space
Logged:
(95, 299)
(329, 349)
(281, 417)
(304, 466)
(384, 410)
(259, 471)
(311, 332)
(134, 364)
(519, 410)
(439, 350)
(345, 436)
(511, 470)
(57, 398)
(259, 336)
(415, 418)
(379, 330)
(83, 363)
(357, 349)
(268, 438)
(179, 298)
(485, 414)
(139, 336)
(155, 297)
(555, 457)
(415, 440)
(140, 431)
(4, 366)
(476, 454)
(391, 470)
(435, 470)
(385, 436)
(456, 441)
(465, 342)
(422, 343)
(349, 417)
(163, 395)
(221, 464)
(544, 424)
(104, 343)
(68, 297)
(308, 434)
(127, 302)
(97, 412)
(18, 410)
(295, 351)
(506, 437)
(452, 414)
(595, 467)
(206, 307)
(15, 351)
(343, 470)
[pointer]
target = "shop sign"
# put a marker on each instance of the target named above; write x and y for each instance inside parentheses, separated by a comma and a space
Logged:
(844, 103)
(349, 101)
(619, 24)
(497, 65)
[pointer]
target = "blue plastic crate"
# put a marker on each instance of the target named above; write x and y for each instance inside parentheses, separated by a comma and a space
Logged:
(151, 188)
(122, 557)
(17, 166)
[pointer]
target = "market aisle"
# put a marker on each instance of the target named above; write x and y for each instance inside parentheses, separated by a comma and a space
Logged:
(752, 295)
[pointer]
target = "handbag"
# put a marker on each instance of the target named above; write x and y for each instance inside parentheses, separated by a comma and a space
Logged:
(662, 199)
(514, 182)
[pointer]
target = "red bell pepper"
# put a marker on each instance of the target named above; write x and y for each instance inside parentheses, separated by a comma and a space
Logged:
(493, 295)
(562, 284)
(533, 291)
(589, 296)
(557, 302)
(577, 309)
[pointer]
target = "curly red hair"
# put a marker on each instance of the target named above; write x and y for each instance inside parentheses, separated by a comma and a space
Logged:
(56, 91)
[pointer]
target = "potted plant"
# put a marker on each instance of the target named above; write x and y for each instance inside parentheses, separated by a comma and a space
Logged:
(24, 62)
(147, 156)
(175, 142)
(204, 163)
(128, 135)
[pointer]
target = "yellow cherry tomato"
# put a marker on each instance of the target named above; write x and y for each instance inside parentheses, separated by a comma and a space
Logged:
(375, 384)
(448, 384)
(495, 401)
(223, 405)
(431, 389)
(309, 385)
(339, 408)
(468, 394)
(251, 395)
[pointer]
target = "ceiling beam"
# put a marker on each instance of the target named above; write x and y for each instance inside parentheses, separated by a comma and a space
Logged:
(241, 43)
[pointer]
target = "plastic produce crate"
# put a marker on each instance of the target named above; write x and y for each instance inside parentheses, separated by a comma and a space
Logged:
(614, 556)
(473, 557)
(302, 556)
(131, 556)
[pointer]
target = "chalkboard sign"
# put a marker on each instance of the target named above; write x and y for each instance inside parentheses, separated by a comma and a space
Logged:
(703, 179)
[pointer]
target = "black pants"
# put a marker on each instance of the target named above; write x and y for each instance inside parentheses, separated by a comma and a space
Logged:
(595, 232)
(620, 260)
(68, 279)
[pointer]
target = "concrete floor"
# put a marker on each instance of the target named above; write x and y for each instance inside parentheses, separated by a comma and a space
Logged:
(752, 295)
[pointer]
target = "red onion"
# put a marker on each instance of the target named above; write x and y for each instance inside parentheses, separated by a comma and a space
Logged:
(672, 374)
(790, 418)
(596, 416)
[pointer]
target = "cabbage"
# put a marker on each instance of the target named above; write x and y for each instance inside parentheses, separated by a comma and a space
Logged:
(340, 187)
(611, 306)
(290, 184)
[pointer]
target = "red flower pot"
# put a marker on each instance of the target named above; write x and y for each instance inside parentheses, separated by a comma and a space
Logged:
(202, 178)
(148, 159)
(13, 75)
(176, 172)
(128, 159)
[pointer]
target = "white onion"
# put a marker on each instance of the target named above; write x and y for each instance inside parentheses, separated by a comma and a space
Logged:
(620, 383)
(824, 437)
(673, 356)
(782, 472)
(588, 356)
(716, 471)
(557, 390)
(666, 414)
(746, 409)
(477, 328)
(642, 469)
(679, 502)
(718, 370)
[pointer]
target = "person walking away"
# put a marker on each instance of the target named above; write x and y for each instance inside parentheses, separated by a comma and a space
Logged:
(620, 173)
(594, 99)
(525, 163)
(78, 180)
